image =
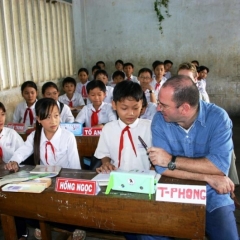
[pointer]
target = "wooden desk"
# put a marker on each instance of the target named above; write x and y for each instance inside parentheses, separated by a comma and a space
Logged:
(123, 212)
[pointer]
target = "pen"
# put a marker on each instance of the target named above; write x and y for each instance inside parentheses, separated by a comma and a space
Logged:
(143, 143)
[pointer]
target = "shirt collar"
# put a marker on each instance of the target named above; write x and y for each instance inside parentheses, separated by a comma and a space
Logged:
(55, 139)
(201, 114)
(93, 109)
(123, 125)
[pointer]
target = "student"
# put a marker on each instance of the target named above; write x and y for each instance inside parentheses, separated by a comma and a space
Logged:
(81, 86)
(94, 69)
(145, 79)
(192, 140)
(71, 98)
(148, 109)
(167, 66)
(24, 112)
(118, 76)
(128, 69)
(10, 140)
(119, 65)
(153, 64)
(97, 113)
(159, 79)
(202, 75)
(50, 144)
(103, 76)
(101, 64)
(119, 146)
(50, 90)
(189, 69)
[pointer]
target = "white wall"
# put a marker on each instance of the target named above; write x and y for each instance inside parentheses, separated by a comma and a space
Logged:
(206, 30)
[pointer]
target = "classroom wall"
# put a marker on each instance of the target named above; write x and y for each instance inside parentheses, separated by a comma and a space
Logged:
(205, 30)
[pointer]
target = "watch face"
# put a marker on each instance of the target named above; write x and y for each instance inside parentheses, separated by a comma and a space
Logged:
(171, 166)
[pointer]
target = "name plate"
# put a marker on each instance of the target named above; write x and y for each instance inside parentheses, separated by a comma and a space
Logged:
(18, 127)
(194, 194)
(87, 131)
(77, 186)
(75, 128)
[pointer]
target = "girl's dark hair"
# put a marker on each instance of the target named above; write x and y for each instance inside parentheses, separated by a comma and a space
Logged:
(96, 84)
(28, 84)
(2, 107)
(83, 70)
(47, 85)
(127, 89)
(43, 108)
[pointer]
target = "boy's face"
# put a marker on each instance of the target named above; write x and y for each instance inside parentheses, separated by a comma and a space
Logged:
(203, 74)
(144, 79)
(51, 92)
(128, 109)
(69, 88)
(102, 78)
(119, 66)
(168, 67)
(96, 96)
(159, 71)
(118, 79)
(101, 65)
(30, 95)
(128, 70)
(83, 77)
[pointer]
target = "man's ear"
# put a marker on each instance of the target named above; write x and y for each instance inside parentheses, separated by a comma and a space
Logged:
(114, 106)
(185, 108)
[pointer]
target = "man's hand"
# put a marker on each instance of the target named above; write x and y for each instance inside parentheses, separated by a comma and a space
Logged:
(12, 166)
(222, 184)
(159, 156)
(106, 168)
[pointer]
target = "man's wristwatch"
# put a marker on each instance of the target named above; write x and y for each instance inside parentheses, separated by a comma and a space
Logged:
(172, 164)
(151, 91)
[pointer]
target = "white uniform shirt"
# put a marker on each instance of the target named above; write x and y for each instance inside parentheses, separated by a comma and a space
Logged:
(18, 115)
(77, 99)
(133, 78)
(10, 141)
(79, 88)
(167, 75)
(109, 94)
(108, 145)
(66, 114)
(153, 84)
(65, 150)
(201, 85)
(150, 111)
(106, 114)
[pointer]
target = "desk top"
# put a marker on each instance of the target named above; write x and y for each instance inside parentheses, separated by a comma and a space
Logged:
(118, 211)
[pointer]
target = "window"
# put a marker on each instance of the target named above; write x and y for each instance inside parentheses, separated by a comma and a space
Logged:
(35, 41)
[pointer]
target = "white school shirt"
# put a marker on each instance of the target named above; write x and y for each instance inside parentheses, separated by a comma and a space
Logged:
(109, 94)
(66, 114)
(18, 115)
(108, 145)
(150, 111)
(77, 99)
(153, 84)
(65, 150)
(79, 88)
(10, 141)
(167, 75)
(201, 85)
(133, 79)
(106, 114)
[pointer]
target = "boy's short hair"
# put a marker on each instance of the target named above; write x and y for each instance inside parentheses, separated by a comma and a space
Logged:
(69, 80)
(95, 67)
(168, 61)
(100, 71)
(96, 84)
(128, 64)
(47, 85)
(28, 84)
(100, 62)
(83, 70)
(195, 61)
(201, 68)
(118, 73)
(142, 70)
(188, 66)
(127, 89)
(119, 61)
(157, 63)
